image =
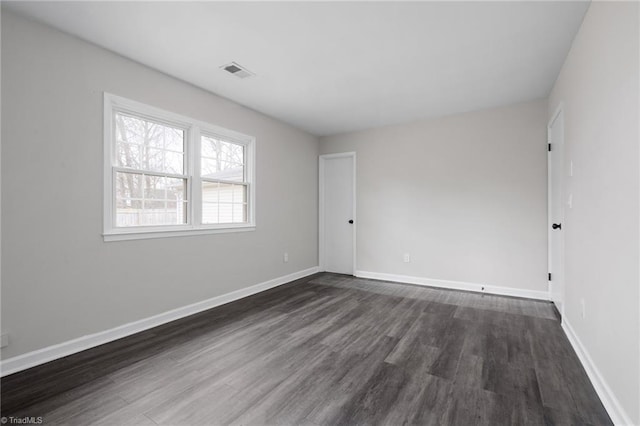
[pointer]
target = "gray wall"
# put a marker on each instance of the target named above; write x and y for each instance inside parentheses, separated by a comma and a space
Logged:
(59, 279)
(598, 86)
(464, 195)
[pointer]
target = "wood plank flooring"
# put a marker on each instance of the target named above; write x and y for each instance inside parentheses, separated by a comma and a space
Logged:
(326, 350)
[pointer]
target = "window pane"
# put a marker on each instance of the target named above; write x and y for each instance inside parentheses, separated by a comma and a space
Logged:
(210, 192)
(240, 194)
(223, 170)
(222, 160)
(225, 193)
(209, 167)
(229, 193)
(143, 200)
(129, 185)
(145, 145)
(239, 213)
(209, 147)
(226, 213)
(210, 213)
(223, 203)
(174, 140)
(164, 188)
(173, 162)
(129, 155)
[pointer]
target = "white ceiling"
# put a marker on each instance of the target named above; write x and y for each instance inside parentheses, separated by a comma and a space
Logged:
(332, 67)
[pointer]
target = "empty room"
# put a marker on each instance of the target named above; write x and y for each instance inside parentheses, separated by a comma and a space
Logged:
(320, 213)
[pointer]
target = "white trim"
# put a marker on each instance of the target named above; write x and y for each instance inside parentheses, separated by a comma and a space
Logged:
(321, 241)
(550, 267)
(321, 213)
(107, 190)
(549, 192)
(558, 110)
(355, 222)
(611, 404)
(456, 285)
(193, 130)
(638, 236)
(50, 353)
(151, 234)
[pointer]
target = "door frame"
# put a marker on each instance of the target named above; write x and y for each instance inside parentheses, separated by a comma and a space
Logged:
(321, 189)
(559, 112)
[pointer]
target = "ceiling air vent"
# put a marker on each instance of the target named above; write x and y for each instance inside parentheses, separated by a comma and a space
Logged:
(237, 70)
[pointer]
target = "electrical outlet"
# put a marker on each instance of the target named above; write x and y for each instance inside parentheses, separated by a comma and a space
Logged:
(4, 340)
(584, 309)
(285, 258)
(571, 168)
(570, 201)
(407, 258)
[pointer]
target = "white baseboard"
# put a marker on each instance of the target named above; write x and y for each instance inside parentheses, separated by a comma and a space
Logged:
(455, 285)
(611, 404)
(50, 353)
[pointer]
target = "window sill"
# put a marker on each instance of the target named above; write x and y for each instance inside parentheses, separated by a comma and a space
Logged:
(141, 234)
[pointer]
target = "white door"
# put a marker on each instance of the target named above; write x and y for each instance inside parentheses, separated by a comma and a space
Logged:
(337, 213)
(556, 209)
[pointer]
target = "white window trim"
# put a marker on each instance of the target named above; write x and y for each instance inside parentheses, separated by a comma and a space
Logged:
(193, 129)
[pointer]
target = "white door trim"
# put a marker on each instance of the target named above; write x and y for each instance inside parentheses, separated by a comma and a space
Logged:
(559, 111)
(321, 239)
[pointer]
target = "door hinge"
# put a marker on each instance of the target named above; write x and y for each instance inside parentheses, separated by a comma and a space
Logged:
(549, 147)
(549, 276)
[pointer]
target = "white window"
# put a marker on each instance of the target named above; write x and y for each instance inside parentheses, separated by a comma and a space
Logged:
(168, 175)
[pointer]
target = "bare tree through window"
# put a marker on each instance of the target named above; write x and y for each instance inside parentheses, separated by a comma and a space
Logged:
(150, 189)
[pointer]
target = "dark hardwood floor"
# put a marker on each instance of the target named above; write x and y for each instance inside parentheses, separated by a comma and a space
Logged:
(326, 350)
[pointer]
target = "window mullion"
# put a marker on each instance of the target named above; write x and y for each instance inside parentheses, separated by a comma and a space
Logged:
(225, 181)
(194, 173)
(149, 173)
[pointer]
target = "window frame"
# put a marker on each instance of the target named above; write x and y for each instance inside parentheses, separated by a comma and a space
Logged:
(193, 129)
